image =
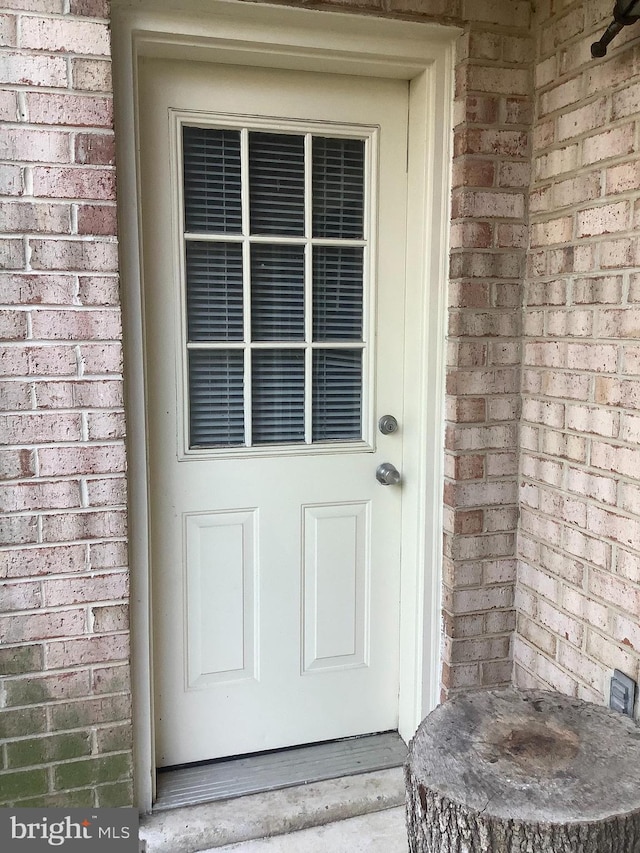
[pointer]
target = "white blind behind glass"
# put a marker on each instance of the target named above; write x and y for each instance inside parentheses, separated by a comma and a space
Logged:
(214, 294)
(277, 292)
(338, 187)
(216, 398)
(211, 175)
(276, 183)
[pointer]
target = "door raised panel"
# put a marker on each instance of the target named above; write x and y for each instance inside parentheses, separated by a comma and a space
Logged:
(220, 573)
(335, 586)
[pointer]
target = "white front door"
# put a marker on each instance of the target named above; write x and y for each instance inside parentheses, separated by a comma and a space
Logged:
(273, 213)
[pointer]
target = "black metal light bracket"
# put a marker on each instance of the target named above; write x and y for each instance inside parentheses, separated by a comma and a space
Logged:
(625, 12)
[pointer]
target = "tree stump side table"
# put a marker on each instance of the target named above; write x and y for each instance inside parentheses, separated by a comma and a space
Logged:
(508, 771)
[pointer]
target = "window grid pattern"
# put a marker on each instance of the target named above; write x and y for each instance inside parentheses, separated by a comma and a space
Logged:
(275, 286)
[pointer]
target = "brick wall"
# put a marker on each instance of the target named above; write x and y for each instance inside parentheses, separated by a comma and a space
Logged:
(491, 170)
(64, 704)
(579, 541)
(64, 700)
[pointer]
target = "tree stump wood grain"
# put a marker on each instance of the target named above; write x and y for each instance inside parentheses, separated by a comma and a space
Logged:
(508, 771)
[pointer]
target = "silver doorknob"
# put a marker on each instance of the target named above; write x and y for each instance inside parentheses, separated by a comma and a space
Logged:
(387, 474)
(387, 425)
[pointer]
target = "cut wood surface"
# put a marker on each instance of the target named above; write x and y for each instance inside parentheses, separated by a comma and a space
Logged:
(508, 771)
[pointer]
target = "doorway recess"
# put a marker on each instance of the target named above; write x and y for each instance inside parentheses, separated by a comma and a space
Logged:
(239, 34)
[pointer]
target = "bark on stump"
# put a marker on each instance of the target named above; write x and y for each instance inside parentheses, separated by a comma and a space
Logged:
(507, 771)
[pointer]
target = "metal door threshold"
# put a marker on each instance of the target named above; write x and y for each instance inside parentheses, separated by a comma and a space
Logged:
(268, 771)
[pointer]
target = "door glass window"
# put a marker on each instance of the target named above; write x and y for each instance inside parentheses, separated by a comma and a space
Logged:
(276, 183)
(275, 254)
(337, 293)
(338, 180)
(215, 300)
(212, 185)
(277, 292)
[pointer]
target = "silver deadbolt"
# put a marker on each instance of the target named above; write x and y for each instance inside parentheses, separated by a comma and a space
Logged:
(387, 474)
(387, 424)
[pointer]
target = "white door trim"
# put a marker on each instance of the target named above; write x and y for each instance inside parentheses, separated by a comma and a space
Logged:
(283, 37)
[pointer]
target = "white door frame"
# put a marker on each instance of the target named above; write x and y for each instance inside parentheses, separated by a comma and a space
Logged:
(220, 31)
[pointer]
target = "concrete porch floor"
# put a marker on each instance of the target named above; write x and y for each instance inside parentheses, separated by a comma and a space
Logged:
(381, 832)
(359, 814)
